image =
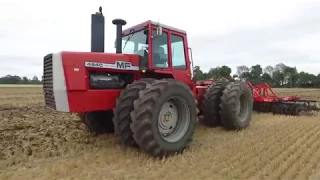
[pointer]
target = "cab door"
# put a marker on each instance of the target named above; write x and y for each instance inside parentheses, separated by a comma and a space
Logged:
(179, 58)
(160, 51)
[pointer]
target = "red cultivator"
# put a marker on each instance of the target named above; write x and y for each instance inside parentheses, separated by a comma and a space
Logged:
(265, 100)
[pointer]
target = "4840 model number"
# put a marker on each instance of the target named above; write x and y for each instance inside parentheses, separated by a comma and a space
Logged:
(94, 64)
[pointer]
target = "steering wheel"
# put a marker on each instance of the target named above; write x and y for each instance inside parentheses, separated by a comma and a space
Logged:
(144, 48)
(142, 51)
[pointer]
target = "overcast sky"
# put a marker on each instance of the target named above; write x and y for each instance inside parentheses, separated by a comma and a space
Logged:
(228, 32)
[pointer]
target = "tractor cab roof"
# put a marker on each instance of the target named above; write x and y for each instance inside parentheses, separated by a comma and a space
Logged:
(145, 24)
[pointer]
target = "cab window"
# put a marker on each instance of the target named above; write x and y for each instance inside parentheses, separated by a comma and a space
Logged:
(160, 50)
(178, 56)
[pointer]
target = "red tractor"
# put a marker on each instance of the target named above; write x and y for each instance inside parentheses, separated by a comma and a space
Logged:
(144, 91)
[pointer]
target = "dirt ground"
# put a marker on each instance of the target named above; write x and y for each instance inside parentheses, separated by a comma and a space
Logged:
(37, 143)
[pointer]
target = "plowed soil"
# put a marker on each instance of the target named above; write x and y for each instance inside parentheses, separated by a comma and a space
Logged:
(37, 143)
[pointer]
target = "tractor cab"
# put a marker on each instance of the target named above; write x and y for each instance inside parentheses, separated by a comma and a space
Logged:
(161, 48)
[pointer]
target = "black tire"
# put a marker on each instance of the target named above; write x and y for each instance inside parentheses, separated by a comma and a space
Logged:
(98, 122)
(236, 94)
(81, 116)
(122, 119)
(296, 110)
(146, 114)
(211, 104)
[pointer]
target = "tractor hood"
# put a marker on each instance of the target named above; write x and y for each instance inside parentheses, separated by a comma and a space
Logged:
(100, 60)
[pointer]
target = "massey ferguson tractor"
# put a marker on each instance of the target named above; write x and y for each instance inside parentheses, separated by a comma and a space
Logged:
(144, 91)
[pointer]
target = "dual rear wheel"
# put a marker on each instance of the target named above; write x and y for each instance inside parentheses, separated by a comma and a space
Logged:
(227, 104)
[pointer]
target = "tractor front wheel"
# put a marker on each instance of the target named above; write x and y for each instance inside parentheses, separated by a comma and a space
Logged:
(122, 119)
(98, 122)
(236, 106)
(164, 117)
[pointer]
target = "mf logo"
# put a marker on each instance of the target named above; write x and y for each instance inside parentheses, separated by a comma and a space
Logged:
(123, 64)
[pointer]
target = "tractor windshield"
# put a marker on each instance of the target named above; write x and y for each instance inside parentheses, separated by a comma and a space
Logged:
(135, 43)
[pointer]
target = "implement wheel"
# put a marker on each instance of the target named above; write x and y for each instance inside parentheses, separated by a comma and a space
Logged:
(164, 117)
(236, 106)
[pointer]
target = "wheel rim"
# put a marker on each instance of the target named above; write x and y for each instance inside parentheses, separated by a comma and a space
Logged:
(174, 119)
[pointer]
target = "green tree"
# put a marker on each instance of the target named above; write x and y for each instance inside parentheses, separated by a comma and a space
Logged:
(219, 71)
(278, 75)
(269, 70)
(255, 74)
(225, 71)
(291, 76)
(266, 78)
(278, 78)
(213, 72)
(198, 74)
(9, 79)
(241, 70)
(25, 80)
(246, 76)
(35, 80)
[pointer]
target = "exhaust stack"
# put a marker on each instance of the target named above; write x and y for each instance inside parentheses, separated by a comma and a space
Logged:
(97, 31)
(119, 23)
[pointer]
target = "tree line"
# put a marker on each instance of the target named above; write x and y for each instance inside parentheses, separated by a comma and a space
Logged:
(14, 79)
(279, 75)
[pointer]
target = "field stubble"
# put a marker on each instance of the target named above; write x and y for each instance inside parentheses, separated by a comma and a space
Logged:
(37, 143)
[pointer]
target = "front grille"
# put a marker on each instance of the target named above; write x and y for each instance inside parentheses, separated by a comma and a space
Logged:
(48, 82)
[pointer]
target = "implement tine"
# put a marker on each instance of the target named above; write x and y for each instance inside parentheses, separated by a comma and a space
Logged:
(316, 106)
(310, 105)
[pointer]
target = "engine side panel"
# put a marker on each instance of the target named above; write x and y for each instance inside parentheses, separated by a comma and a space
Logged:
(73, 85)
(78, 65)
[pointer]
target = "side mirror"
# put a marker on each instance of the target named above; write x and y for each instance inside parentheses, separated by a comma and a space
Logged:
(159, 31)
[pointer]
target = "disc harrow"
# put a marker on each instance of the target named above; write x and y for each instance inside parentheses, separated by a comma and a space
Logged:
(265, 100)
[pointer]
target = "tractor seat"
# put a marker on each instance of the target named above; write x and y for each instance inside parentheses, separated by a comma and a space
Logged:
(159, 57)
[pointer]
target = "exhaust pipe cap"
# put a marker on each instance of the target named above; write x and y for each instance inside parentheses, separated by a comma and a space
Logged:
(119, 21)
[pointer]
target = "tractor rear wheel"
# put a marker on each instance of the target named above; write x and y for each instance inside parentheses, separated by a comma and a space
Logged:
(211, 104)
(98, 122)
(164, 117)
(236, 106)
(122, 119)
